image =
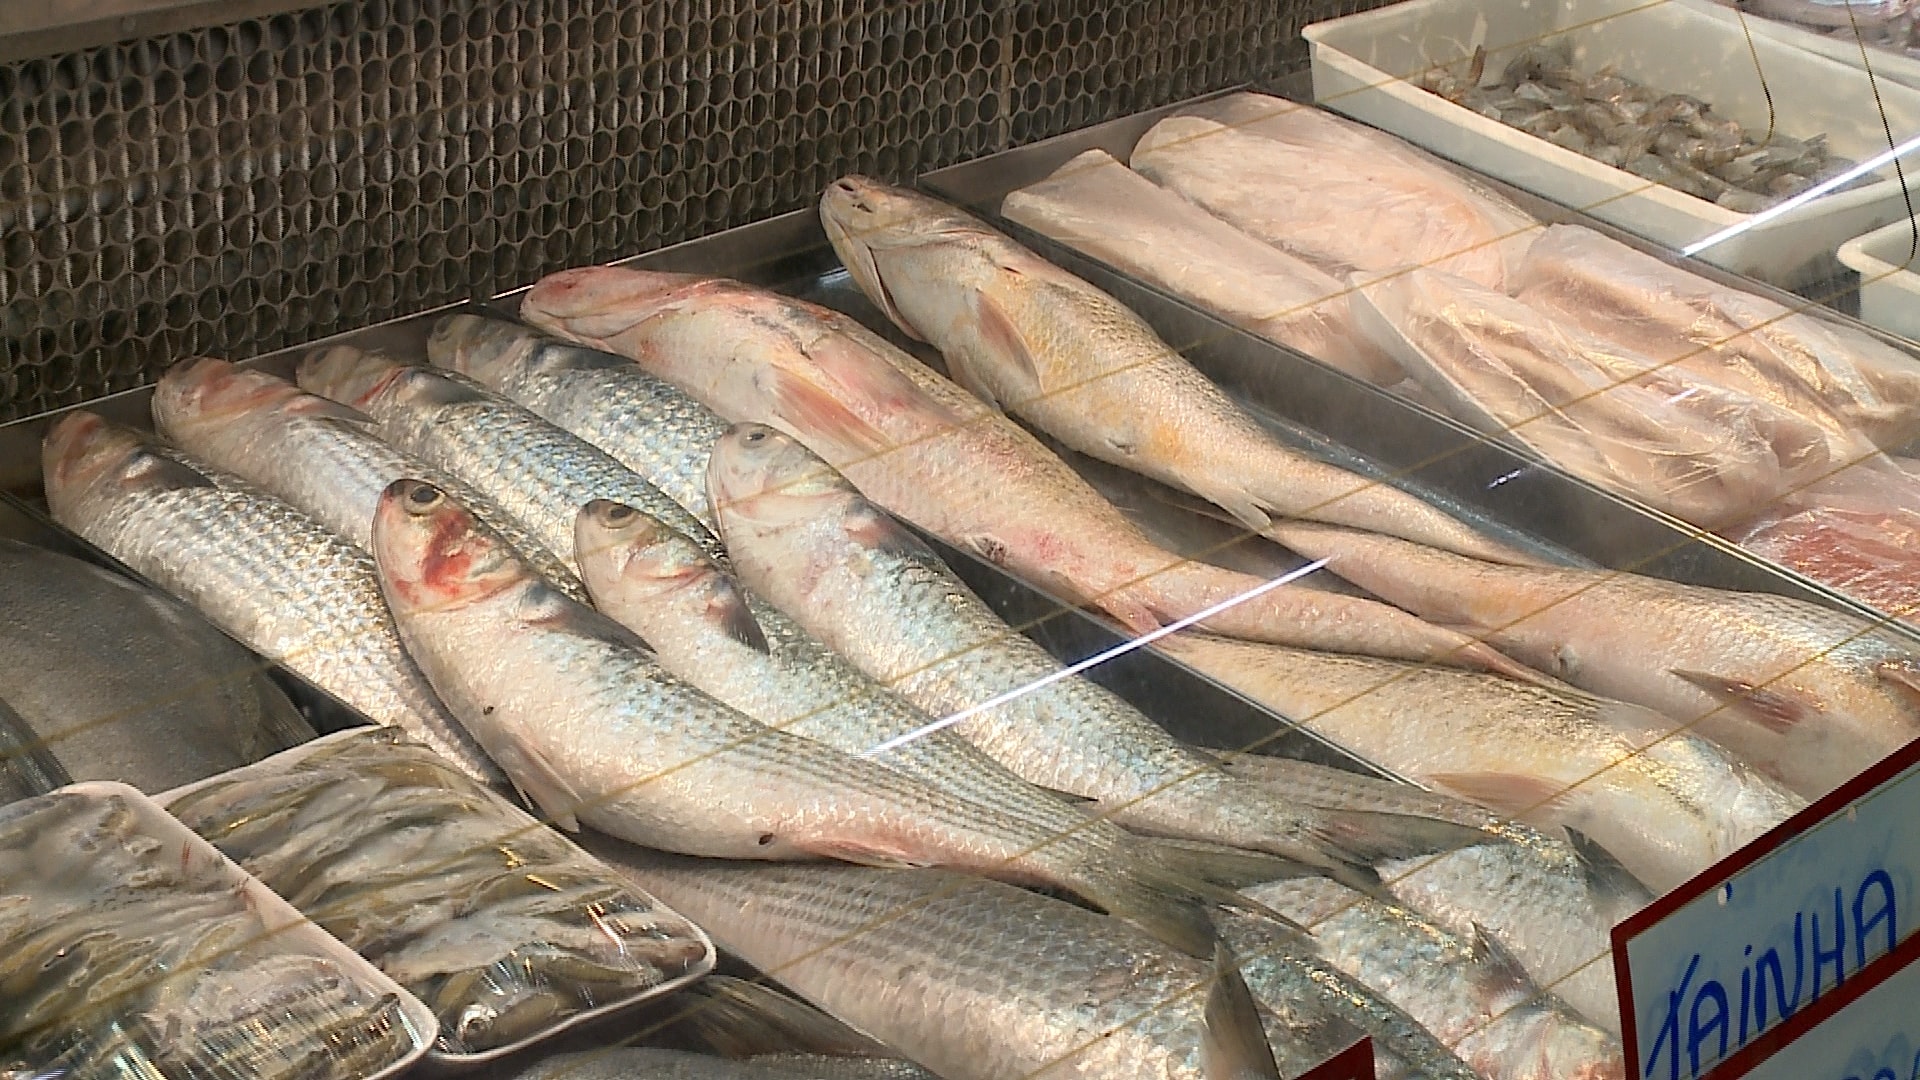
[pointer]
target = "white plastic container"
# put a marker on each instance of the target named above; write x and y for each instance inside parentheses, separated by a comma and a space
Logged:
(1889, 277)
(1887, 64)
(1361, 64)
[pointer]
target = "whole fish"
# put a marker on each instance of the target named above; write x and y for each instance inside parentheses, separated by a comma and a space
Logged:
(538, 474)
(707, 630)
(1809, 695)
(933, 453)
(807, 541)
(255, 567)
(1097, 206)
(981, 981)
(110, 680)
(1666, 802)
(585, 720)
(1551, 904)
(318, 455)
(1465, 991)
(1334, 192)
(645, 423)
(1042, 344)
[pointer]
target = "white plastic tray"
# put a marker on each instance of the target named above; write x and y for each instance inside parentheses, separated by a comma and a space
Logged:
(1361, 64)
(1889, 280)
(1887, 64)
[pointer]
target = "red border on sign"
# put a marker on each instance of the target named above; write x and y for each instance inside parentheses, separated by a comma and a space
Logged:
(1353, 1063)
(1828, 806)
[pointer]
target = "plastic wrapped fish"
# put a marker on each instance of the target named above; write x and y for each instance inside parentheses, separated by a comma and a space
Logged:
(130, 947)
(1658, 433)
(507, 931)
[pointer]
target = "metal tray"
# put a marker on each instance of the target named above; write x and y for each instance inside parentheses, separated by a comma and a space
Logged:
(1416, 445)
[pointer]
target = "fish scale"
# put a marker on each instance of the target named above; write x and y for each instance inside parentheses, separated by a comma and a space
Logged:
(973, 979)
(645, 423)
(534, 471)
(804, 538)
(311, 452)
(584, 718)
(256, 567)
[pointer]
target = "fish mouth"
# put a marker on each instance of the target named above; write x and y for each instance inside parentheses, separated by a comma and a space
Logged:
(594, 303)
(81, 447)
(204, 387)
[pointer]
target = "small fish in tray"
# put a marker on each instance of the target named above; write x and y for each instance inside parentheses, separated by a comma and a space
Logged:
(1670, 139)
(131, 948)
(507, 931)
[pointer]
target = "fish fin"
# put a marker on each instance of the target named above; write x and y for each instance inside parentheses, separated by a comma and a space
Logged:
(539, 782)
(1068, 797)
(1162, 906)
(963, 374)
(1904, 674)
(740, 1018)
(1513, 794)
(150, 467)
(865, 271)
(1771, 709)
(1234, 1045)
(864, 853)
(1232, 867)
(808, 407)
(1504, 970)
(1004, 335)
(1604, 874)
(728, 610)
(1374, 836)
(321, 408)
(877, 530)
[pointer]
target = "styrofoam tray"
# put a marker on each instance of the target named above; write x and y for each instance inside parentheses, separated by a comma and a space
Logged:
(1887, 64)
(1361, 64)
(1889, 277)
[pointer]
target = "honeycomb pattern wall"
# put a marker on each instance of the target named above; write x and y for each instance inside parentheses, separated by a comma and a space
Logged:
(241, 188)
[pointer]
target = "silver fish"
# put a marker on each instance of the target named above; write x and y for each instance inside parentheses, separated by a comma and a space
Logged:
(977, 980)
(585, 720)
(1667, 803)
(1464, 990)
(705, 628)
(1807, 694)
(532, 470)
(1042, 344)
(940, 458)
(255, 567)
(806, 540)
(646, 424)
(650, 1063)
(111, 680)
(1550, 903)
(318, 455)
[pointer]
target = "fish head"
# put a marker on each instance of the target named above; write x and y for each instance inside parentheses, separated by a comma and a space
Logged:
(84, 457)
(761, 477)
(350, 376)
(434, 555)
(865, 219)
(595, 304)
(211, 397)
(642, 557)
(489, 351)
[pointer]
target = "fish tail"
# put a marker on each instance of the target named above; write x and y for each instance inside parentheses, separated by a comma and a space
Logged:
(1371, 836)
(1165, 905)
(1235, 1045)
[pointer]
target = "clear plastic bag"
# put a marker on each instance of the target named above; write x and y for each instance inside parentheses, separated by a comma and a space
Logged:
(505, 929)
(133, 949)
(1663, 435)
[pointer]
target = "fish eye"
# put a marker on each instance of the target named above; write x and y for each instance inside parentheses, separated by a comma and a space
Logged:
(619, 512)
(755, 437)
(424, 497)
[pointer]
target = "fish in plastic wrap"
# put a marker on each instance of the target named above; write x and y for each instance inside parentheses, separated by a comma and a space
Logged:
(1096, 205)
(1334, 192)
(130, 948)
(1841, 377)
(1676, 442)
(1857, 532)
(507, 931)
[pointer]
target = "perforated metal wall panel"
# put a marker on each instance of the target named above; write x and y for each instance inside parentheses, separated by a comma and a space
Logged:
(240, 188)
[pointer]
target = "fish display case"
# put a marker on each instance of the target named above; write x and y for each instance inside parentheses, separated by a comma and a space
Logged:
(1459, 861)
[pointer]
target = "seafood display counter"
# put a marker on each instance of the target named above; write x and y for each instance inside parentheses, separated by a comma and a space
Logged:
(1221, 593)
